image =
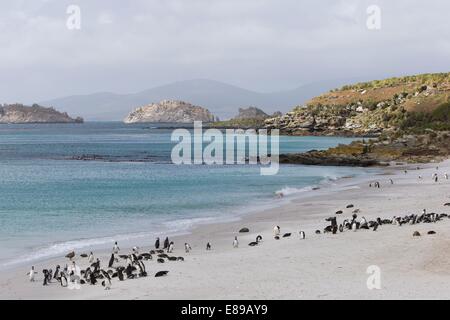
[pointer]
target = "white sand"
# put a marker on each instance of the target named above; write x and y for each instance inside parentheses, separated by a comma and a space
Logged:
(323, 266)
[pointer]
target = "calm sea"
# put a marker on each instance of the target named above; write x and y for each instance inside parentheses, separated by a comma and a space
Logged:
(50, 203)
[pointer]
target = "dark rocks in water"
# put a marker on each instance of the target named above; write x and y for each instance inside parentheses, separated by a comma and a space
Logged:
(318, 158)
(317, 231)
(416, 234)
(431, 232)
(244, 230)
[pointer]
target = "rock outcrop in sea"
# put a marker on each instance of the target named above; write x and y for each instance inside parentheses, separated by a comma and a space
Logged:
(170, 111)
(18, 113)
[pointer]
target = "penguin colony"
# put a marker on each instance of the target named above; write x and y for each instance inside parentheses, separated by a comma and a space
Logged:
(133, 265)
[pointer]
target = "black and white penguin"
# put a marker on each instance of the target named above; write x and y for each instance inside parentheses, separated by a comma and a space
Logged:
(32, 274)
(56, 274)
(166, 243)
(259, 238)
(276, 231)
(111, 261)
(170, 248)
(235, 242)
(302, 235)
(116, 248)
(187, 247)
(208, 246)
(161, 274)
(157, 243)
(63, 279)
(91, 258)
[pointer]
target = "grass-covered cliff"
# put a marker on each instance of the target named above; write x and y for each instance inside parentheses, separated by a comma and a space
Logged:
(403, 104)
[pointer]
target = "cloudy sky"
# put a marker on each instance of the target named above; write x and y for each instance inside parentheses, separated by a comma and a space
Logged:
(263, 45)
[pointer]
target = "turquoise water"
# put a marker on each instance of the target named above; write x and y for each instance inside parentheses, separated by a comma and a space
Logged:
(50, 204)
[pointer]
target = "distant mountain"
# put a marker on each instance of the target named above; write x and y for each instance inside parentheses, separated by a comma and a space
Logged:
(223, 100)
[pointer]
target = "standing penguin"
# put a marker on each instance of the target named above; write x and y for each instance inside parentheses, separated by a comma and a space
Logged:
(276, 231)
(56, 274)
(166, 243)
(31, 274)
(170, 248)
(91, 258)
(111, 261)
(302, 235)
(208, 246)
(116, 248)
(187, 247)
(235, 242)
(157, 243)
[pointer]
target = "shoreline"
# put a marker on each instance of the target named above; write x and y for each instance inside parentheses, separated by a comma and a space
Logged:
(138, 237)
(305, 212)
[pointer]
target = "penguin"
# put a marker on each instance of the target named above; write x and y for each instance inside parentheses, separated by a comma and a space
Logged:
(354, 226)
(120, 273)
(187, 247)
(135, 250)
(161, 274)
(341, 228)
(91, 258)
(180, 259)
(235, 242)
(160, 260)
(111, 261)
(157, 243)
(142, 272)
(276, 231)
(63, 279)
(107, 282)
(45, 272)
(116, 248)
(253, 244)
(32, 274)
(166, 243)
(129, 262)
(302, 235)
(208, 246)
(96, 265)
(170, 248)
(259, 238)
(286, 235)
(56, 274)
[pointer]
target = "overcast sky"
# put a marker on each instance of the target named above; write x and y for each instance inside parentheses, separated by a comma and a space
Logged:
(263, 45)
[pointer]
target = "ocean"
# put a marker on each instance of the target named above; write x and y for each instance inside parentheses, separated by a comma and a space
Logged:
(51, 203)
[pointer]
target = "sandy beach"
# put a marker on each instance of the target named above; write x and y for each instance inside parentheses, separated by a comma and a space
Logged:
(323, 266)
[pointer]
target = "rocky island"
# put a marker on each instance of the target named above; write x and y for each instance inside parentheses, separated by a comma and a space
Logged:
(247, 118)
(18, 113)
(169, 111)
(408, 119)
